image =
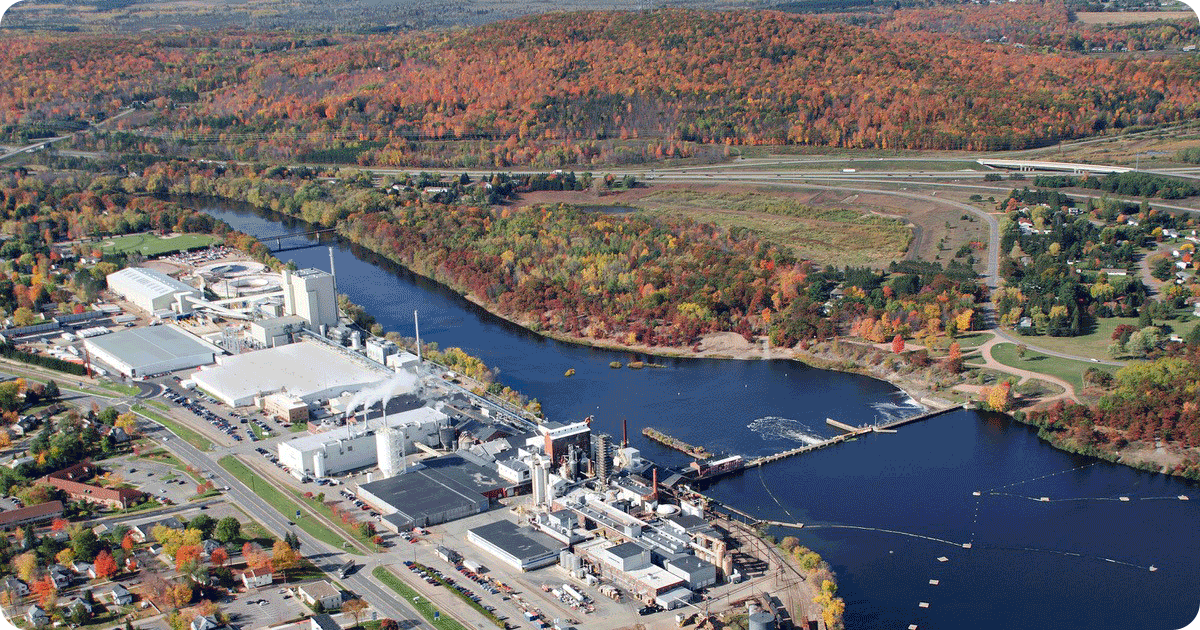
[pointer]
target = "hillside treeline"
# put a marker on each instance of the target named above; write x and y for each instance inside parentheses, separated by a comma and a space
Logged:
(578, 89)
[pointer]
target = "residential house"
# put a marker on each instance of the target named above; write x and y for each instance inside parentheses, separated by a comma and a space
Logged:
(204, 622)
(14, 586)
(144, 532)
(120, 596)
(207, 547)
(320, 592)
(82, 568)
(36, 616)
(118, 435)
(75, 602)
(59, 575)
(255, 578)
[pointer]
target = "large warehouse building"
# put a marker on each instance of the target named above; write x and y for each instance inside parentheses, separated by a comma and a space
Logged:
(355, 446)
(143, 351)
(519, 547)
(152, 291)
(438, 490)
(308, 370)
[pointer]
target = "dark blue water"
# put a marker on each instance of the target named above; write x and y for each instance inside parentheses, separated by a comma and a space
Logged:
(1077, 563)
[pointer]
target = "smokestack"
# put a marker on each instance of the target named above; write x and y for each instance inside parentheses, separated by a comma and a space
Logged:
(624, 433)
(654, 485)
(417, 326)
(332, 271)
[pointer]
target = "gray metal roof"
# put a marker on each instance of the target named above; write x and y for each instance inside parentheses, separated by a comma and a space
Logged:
(626, 550)
(691, 564)
(151, 345)
(524, 544)
(441, 485)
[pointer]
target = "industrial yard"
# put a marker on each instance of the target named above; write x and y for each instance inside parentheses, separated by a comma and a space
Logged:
(549, 524)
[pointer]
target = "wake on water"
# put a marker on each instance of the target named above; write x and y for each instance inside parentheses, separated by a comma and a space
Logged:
(774, 427)
(890, 411)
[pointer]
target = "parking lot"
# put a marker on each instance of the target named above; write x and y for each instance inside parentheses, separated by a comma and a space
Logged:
(156, 478)
(608, 613)
(266, 606)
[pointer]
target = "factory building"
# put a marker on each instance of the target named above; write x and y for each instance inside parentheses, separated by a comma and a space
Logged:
(310, 294)
(276, 331)
(520, 548)
(152, 291)
(307, 370)
(566, 445)
(628, 566)
(694, 571)
(435, 491)
(285, 407)
(139, 352)
(355, 446)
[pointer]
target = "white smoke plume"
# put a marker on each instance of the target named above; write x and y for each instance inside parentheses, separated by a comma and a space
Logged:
(399, 385)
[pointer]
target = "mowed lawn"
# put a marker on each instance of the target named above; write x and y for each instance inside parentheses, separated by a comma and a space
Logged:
(153, 245)
(1068, 370)
(1094, 345)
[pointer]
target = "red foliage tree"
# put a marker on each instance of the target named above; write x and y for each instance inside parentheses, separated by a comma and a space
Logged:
(105, 565)
(898, 344)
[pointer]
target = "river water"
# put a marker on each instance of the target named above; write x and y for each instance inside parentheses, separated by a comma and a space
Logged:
(885, 509)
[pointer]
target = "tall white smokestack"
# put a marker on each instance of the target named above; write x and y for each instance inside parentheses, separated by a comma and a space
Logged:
(332, 271)
(417, 325)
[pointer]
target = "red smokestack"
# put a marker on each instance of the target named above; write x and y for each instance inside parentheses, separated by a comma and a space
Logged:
(654, 484)
(624, 433)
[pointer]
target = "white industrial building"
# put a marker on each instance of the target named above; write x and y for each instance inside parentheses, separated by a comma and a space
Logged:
(310, 293)
(276, 331)
(518, 547)
(356, 446)
(139, 352)
(152, 291)
(308, 370)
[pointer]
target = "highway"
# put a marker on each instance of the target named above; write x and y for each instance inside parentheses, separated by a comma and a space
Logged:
(50, 141)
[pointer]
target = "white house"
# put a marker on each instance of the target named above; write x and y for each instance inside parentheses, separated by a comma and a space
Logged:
(255, 578)
(323, 592)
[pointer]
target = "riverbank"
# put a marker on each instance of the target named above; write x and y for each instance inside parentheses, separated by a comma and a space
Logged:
(927, 383)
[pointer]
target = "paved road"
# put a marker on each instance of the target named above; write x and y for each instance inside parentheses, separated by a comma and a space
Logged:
(50, 141)
(327, 558)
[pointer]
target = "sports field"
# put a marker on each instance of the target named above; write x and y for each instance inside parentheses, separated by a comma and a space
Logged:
(152, 245)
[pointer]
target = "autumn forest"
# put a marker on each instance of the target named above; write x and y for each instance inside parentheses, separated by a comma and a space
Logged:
(579, 89)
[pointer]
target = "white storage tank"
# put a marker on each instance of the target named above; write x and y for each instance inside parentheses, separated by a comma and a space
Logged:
(389, 446)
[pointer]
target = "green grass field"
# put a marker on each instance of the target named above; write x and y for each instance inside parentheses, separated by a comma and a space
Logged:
(972, 340)
(445, 622)
(283, 504)
(126, 390)
(349, 529)
(1094, 345)
(153, 245)
(1066, 369)
(188, 435)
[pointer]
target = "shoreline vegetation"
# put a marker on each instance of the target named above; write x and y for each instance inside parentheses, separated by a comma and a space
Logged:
(913, 371)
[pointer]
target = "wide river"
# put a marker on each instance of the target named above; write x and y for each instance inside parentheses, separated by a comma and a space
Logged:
(891, 512)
